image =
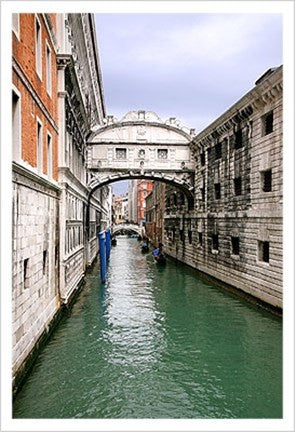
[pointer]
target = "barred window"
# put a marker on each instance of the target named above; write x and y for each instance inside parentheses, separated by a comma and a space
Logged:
(217, 191)
(235, 245)
(202, 191)
(238, 186)
(190, 236)
(200, 238)
(202, 159)
(266, 181)
(267, 123)
(238, 139)
(215, 242)
(263, 251)
(218, 151)
(162, 153)
(121, 153)
(181, 235)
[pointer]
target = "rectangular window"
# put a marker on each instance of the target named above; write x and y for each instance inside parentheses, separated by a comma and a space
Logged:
(190, 236)
(238, 186)
(215, 242)
(202, 159)
(15, 24)
(38, 47)
(238, 139)
(48, 70)
(26, 272)
(44, 261)
(121, 153)
(49, 155)
(266, 181)
(202, 191)
(218, 151)
(56, 255)
(267, 123)
(162, 153)
(263, 251)
(235, 245)
(217, 191)
(181, 235)
(39, 147)
(200, 238)
(16, 126)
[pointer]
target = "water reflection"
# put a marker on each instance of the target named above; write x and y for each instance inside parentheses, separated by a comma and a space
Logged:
(133, 329)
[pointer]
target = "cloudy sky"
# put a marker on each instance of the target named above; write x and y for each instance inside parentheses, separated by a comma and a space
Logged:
(189, 66)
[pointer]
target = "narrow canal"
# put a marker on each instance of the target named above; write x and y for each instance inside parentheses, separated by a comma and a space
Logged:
(157, 343)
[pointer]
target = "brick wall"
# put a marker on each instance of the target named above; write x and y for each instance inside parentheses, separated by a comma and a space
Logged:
(35, 100)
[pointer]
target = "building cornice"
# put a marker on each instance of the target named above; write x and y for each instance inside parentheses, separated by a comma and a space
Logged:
(35, 179)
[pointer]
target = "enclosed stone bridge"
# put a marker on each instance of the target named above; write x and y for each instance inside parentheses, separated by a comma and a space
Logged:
(141, 146)
(116, 229)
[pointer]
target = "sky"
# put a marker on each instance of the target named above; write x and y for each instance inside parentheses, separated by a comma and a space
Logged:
(189, 66)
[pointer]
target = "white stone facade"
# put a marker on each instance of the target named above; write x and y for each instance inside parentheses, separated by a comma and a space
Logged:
(35, 294)
(81, 105)
(55, 223)
(235, 231)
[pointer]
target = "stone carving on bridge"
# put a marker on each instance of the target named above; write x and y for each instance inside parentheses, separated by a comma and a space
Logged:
(141, 154)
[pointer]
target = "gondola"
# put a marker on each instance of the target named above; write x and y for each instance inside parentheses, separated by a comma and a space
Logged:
(113, 241)
(160, 259)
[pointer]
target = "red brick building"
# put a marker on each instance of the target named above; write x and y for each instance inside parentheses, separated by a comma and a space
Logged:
(34, 93)
(144, 187)
(35, 264)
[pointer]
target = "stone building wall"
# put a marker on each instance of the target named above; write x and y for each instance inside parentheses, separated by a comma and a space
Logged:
(57, 98)
(35, 237)
(235, 230)
(81, 106)
(35, 295)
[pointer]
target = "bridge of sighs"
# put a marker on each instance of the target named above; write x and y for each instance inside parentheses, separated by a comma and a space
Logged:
(141, 146)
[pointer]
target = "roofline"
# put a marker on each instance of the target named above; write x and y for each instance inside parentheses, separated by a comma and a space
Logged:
(139, 123)
(97, 62)
(262, 84)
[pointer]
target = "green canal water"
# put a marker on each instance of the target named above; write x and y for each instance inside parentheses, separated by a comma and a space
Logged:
(156, 343)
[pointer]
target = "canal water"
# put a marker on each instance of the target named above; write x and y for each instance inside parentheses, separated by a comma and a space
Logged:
(156, 342)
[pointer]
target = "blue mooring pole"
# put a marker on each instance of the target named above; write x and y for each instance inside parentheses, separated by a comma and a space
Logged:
(102, 255)
(108, 243)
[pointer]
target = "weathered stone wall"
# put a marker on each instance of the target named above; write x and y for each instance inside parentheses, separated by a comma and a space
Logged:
(35, 296)
(235, 230)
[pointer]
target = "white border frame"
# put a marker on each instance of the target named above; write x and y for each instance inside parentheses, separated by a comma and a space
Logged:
(286, 8)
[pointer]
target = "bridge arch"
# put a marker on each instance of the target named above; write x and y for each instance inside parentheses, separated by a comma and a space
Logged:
(125, 227)
(141, 146)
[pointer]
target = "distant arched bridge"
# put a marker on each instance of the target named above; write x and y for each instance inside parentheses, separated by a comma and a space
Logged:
(127, 227)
